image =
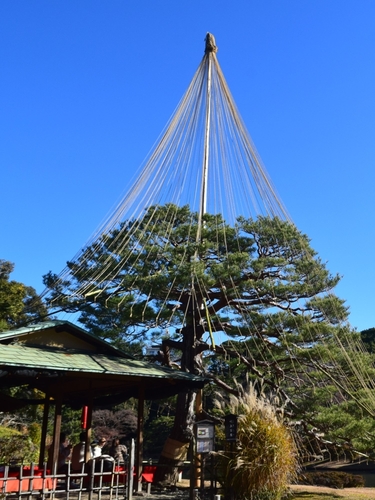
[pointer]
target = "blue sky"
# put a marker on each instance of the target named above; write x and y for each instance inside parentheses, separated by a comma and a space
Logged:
(87, 86)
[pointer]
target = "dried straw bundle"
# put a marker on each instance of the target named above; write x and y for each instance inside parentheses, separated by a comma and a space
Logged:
(265, 459)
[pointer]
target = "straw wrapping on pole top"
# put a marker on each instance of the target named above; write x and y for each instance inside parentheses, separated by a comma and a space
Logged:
(210, 44)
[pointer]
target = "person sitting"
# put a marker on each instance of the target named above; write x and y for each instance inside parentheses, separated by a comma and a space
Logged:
(79, 453)
(97, 450)
(62, 467)
(102, 462)
(118, 451)
(64, 452)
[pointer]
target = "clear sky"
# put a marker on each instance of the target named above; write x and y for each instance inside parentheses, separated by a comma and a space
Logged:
(87, 86)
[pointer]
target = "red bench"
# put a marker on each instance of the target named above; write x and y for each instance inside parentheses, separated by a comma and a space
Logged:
(27, 482)
(148, 473)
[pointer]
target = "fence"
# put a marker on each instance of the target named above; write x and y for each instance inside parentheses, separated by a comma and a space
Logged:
(32, 482)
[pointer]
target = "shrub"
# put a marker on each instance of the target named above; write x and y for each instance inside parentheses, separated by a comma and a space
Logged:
(35, 433)
(332, 479)
(265, 459)
(17, 447)
(118, 423)
(156, 433)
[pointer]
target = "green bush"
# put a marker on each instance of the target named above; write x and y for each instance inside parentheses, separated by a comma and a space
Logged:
(155, 435)
(17, 447)
(35, 433)
(332, 479)
(7, 432)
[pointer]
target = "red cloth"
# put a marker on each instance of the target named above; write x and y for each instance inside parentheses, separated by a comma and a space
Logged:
(14, 484)
(148, 473)
(36, 482)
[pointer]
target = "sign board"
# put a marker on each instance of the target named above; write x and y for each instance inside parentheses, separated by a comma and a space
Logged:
(231, 427)
(205, 436)
(152, 351)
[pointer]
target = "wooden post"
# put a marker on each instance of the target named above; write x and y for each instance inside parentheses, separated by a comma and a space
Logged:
(192, 487)
(198, 456)
(139, 459)
(88, 429)
(131, 471)
(56, 433)
(42, 449)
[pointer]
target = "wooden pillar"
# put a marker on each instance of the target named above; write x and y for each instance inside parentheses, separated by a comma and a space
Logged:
(42, 449)
(89, 428)
(131, 471)
(197, 456)
(139, 457)
(56, 433)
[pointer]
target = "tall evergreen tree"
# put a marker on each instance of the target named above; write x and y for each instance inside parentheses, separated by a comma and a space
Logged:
(19, 304)
(258, 281)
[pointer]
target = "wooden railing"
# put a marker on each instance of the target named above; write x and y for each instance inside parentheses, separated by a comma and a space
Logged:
(28, 482)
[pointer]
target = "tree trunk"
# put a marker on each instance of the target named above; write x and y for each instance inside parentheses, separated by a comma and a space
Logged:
(177, 445)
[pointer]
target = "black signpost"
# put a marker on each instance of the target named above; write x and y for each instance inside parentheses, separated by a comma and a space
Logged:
(231, 438)
(231, 428)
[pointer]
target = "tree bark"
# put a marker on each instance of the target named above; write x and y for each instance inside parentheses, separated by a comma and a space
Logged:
(177, 445)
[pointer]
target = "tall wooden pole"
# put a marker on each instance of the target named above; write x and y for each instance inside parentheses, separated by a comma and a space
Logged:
(209, 51)
(209, 54)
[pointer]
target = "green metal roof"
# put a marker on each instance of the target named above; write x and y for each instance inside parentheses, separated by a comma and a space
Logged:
(18, 355)
(77, 368)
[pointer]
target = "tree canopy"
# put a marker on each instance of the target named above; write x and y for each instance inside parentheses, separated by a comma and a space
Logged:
(248, 300)
(368, 338)
(19, 303)
(255, 279)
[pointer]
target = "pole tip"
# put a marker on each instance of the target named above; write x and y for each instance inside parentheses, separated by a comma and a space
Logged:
(210, 44)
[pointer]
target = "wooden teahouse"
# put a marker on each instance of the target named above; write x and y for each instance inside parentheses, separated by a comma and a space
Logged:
(71, 366)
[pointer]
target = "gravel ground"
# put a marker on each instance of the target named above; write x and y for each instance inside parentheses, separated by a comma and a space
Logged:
(183, 493)
(154, 495)
(163, 495)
